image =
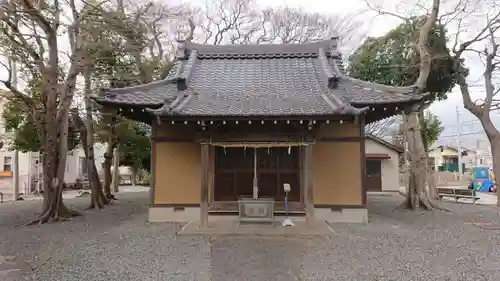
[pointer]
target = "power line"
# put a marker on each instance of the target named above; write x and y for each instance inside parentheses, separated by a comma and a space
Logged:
(462, 134)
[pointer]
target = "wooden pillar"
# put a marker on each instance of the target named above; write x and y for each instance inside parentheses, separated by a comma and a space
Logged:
(308, 185)
(363, 158)
(205, 164)
(153, 164)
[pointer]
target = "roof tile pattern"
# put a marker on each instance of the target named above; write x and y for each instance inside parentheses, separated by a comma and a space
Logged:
(252, 80)
(258, 87)
(153, 95)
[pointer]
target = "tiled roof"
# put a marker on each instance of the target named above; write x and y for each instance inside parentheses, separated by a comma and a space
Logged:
(253, 80)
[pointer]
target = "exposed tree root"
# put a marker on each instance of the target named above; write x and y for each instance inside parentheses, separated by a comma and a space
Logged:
(54, 210)
(436, 206)
(98, 201)
(50, 215)
(424, 203)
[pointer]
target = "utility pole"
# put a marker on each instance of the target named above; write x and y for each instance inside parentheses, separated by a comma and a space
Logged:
(459, 148)
(15, 159)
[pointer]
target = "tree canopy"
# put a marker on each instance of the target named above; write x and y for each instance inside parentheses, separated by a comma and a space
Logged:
(393, 59)
(135, 145)
(431, 128)
(20, 121)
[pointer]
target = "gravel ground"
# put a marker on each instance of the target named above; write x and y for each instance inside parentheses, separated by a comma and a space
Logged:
(118, 244)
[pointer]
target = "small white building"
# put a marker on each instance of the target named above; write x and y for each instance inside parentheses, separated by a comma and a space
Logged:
(382, 165)
(30, 167)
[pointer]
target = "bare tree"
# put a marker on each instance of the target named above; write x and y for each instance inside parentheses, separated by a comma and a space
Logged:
(98, 199)
(418, 195)
(477, 27)
(147, 39)
(484, 43)
(243, 22)
(477, 30)
(381, 128)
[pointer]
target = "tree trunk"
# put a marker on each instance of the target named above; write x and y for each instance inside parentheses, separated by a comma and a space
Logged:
(116, 171)
(494, 137)
(55, 144)
(417, 192)
(417, 196)
(97, 197)
(93, 176)
(429, 171)
(495, 151)
(108, 159)
(53, 208)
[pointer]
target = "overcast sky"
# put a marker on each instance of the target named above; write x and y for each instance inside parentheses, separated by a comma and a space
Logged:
(376, 26)
(379, 25)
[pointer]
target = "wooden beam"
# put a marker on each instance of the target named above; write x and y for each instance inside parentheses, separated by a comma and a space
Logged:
(308, 184)
(205, 168)
(246, 137)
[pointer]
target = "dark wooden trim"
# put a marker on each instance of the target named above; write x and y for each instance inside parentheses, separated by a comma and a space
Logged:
(205, 169)
(363, 158)
(211, 194)
(172, 139)
(153, 166)
(338, 207)
(342, 139)
(301, 174)
(232, 206)
(345, 118)
(236, 138)
(235, 213)
(309, 189)
(175, 205)
(265, 137)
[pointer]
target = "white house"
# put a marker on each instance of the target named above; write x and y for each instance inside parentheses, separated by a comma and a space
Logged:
(382, 165)
(30, 166)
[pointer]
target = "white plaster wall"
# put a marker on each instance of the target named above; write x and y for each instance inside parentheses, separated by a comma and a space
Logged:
(73, 167)
(390, 167)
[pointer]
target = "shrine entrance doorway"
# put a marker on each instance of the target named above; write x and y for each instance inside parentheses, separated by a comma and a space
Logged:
(237, 168)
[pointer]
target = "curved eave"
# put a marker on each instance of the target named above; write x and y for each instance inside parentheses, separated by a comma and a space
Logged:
(104, 102)
(140, 87)
(392, 102)
(386, 102)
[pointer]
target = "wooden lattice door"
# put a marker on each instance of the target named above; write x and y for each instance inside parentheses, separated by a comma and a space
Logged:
(275, 167)
(234, 173)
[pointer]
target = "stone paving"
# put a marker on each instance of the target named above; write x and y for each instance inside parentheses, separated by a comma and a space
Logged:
(233, 228)
(117, 244)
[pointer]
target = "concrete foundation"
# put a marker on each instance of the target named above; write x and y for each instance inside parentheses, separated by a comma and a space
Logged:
(343, 215)
(233, 228)
(171, 214)
(190, 214)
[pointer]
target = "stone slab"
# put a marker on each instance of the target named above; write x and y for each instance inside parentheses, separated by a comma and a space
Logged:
(233, 228)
